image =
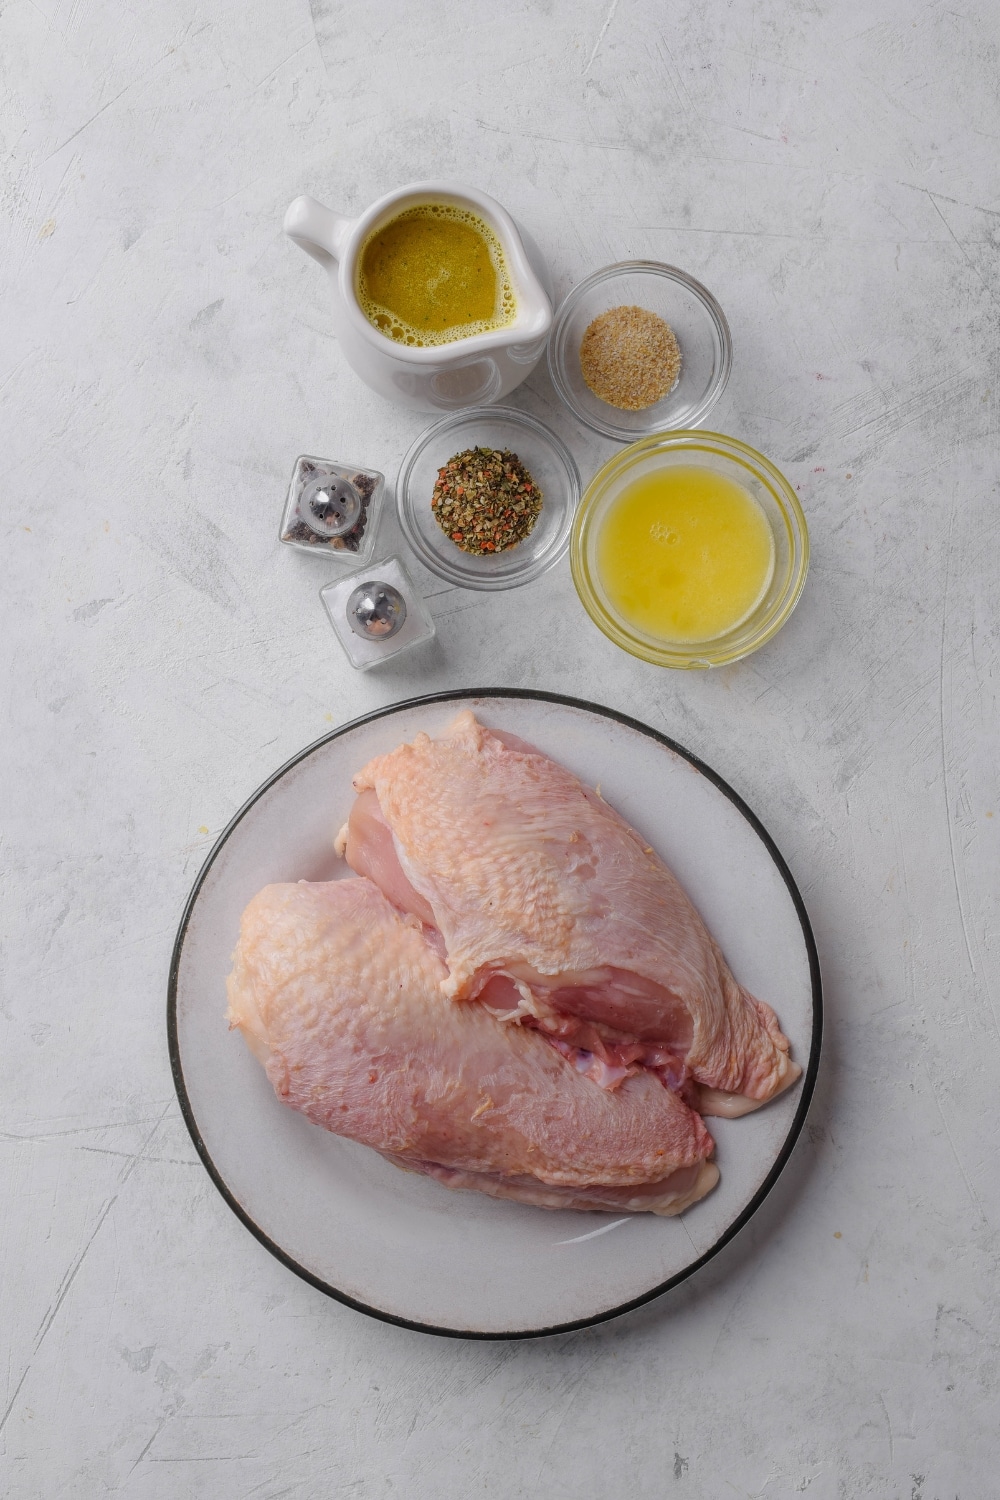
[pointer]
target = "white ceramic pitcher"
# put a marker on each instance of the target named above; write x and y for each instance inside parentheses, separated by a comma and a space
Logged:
(442, 377)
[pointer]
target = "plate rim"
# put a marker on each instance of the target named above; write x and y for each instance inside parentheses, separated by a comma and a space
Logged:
(809, 1074)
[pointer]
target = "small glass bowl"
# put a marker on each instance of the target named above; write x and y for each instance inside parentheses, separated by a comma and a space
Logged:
(546, 458)
(736, 461)
(694, 315)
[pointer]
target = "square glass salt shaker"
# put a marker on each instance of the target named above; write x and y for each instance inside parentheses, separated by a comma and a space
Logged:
(333, 509)
(377, 613)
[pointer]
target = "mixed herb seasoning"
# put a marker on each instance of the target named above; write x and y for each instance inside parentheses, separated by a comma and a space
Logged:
(485, 500)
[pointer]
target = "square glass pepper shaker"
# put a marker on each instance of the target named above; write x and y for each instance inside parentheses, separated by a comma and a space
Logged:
(376, 612)
(333, 508)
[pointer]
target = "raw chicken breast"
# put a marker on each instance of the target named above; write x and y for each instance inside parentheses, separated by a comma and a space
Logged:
(550, 907)
(340, 997)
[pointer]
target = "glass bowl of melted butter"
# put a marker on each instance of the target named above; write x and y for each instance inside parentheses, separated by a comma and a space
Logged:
(689, 549)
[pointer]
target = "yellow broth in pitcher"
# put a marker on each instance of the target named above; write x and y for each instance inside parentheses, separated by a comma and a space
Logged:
(434, 274)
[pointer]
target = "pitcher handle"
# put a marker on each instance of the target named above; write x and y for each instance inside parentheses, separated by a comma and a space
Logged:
(317, 230)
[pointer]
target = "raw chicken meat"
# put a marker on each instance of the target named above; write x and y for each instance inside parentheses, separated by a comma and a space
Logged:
(555, 914)
(341, 997)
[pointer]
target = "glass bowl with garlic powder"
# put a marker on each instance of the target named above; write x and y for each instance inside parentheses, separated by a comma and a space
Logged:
(640, 347)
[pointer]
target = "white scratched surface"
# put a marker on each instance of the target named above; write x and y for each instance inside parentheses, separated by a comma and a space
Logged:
(831, 172)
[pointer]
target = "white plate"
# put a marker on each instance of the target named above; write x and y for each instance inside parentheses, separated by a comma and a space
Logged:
(405, 1248)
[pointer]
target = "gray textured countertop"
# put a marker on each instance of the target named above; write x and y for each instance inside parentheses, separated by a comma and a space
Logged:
(830, 172)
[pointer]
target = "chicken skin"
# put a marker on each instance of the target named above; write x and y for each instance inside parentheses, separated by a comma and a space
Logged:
(343, 999)
(557, 916)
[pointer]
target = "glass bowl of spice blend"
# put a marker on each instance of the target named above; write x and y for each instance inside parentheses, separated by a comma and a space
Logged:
(486, 498)
(639, 347)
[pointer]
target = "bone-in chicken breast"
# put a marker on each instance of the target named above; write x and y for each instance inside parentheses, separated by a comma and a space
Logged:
(553, 912)
(342, 998)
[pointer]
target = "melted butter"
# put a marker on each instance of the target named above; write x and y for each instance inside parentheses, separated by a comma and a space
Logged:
(685, 554)
(434, 274)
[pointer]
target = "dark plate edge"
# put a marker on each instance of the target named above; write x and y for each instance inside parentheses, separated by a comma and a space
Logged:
(808, 1078)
